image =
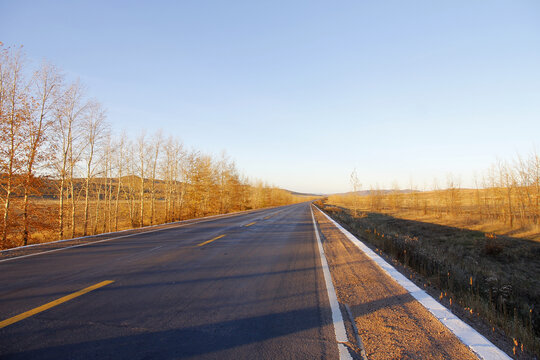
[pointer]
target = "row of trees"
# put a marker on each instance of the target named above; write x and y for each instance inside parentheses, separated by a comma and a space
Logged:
(507, 193)
(513, 192)
(63, 173)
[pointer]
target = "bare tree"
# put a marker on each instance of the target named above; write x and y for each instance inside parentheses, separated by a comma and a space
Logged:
(46, 84)
(453, 195)
(171, 170)
(356, 186)
(226, 173)
(108, 175)
(95, 129)
(119, 161)
(15, 109)
(395, 196)
(143, 163)
(132, 183)
(534, 166)
(507, 184)
(155, 147)
(68, 115)
(181, 188)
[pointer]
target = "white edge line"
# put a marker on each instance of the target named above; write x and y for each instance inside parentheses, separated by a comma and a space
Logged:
(481, 346)
(203, 219)
(337, 319)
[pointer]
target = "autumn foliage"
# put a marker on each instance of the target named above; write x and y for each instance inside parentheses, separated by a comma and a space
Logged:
(64, 174)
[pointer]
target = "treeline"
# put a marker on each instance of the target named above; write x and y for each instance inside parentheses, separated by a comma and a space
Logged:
(63, 173)
(508, 194)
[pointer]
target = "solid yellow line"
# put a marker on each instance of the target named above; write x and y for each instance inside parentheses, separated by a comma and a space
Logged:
(209, 241)
(250, 224)
(47, 306)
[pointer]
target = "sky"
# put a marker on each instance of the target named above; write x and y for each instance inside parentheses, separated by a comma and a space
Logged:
(301, 93)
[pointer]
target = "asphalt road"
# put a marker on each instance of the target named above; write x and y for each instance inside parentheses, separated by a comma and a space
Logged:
(255, 293)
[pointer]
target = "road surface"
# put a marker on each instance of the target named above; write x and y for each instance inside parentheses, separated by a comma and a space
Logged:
(242, 287)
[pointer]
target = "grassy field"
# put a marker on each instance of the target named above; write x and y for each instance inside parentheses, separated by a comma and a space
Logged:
(486, 210)
(494, 277)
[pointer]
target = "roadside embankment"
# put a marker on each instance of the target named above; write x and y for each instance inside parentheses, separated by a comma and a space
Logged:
(391, 323)
(492, 283)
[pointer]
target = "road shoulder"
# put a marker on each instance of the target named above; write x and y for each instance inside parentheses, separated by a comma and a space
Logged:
(392, 324)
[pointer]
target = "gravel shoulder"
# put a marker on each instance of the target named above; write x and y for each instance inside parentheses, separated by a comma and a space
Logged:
(391, 323)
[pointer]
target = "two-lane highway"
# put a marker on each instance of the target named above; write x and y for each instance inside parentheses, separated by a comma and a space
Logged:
(245, 286)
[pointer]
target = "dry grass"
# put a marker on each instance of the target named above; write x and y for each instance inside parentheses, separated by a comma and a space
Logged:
(481, 210)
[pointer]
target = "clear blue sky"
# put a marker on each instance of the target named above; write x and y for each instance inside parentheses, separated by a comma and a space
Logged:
(302, 92)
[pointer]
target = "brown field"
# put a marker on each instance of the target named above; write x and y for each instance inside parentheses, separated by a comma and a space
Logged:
(485, 210)
(44, 222)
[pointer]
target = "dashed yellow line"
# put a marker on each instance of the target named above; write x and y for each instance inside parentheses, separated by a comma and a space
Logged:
(209, 241)
(268, 217)
(54, 303)
(250, 224)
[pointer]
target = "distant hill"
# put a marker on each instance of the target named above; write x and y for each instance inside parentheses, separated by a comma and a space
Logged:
(302, 194)
(383, 191)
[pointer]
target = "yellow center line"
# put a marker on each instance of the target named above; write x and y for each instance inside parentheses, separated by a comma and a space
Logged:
(209, 241)
(268, 217)
(47, 306)
(250, 224)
